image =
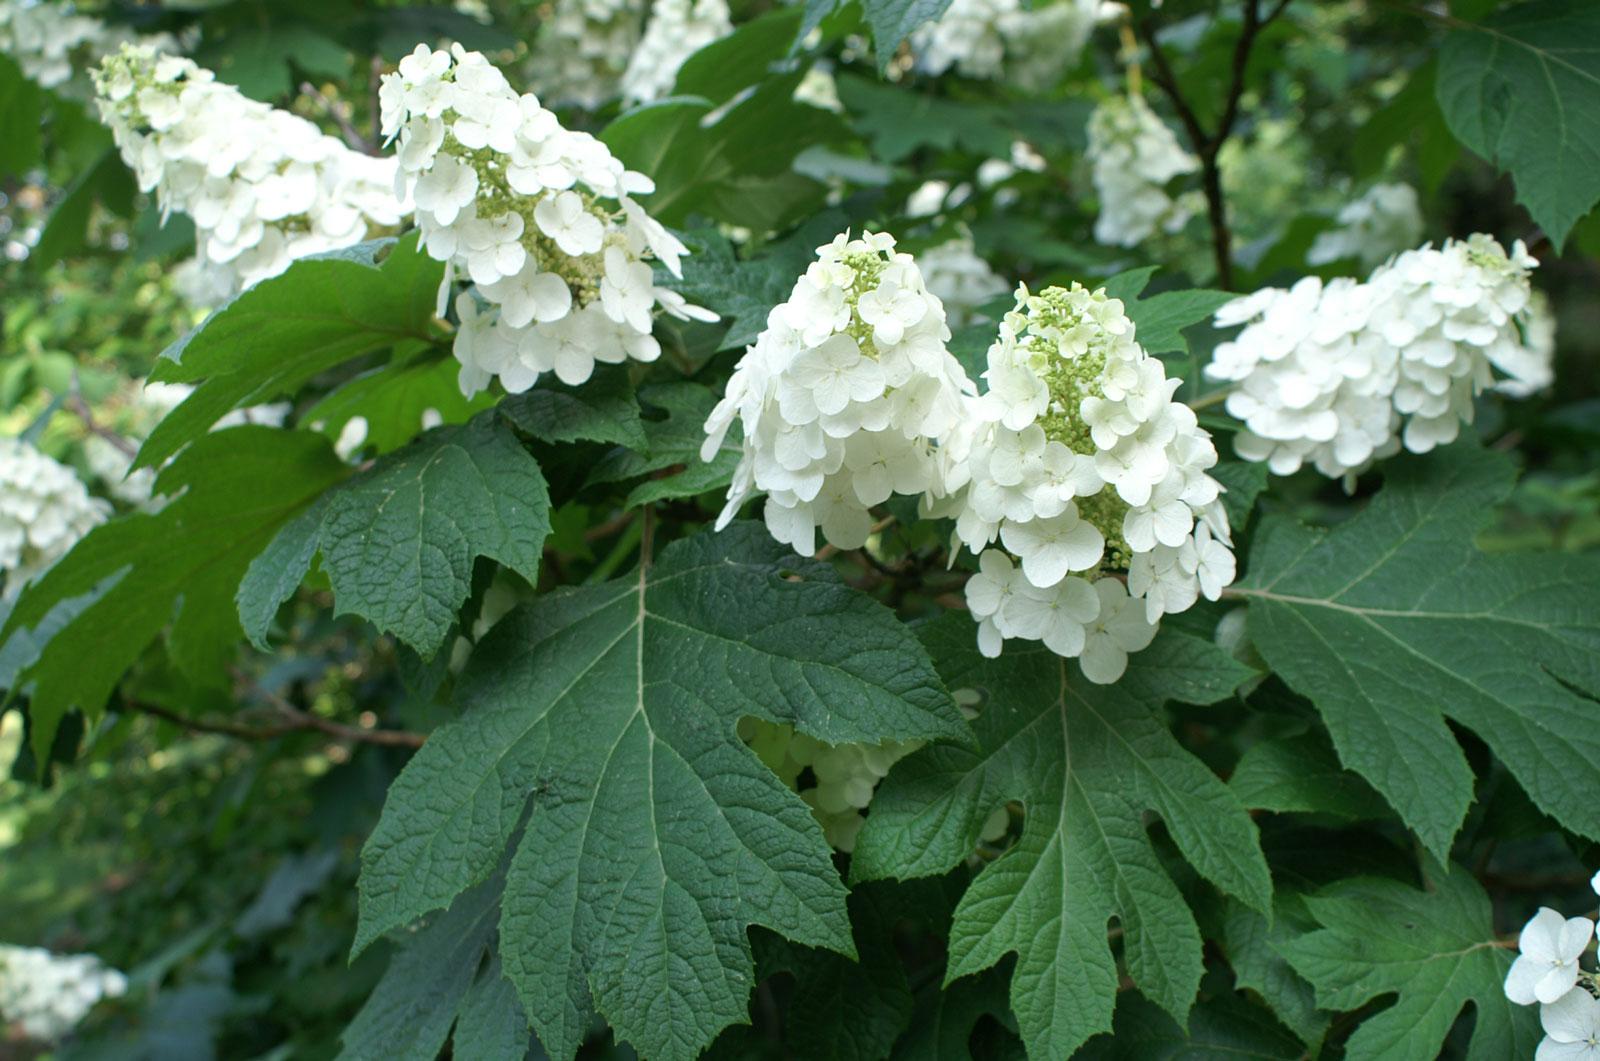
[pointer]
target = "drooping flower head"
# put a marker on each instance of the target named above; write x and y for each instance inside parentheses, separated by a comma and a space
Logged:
(1030, 45)
(1343, 373)
(1133, 156)
(961, 279)
(845, 396)
(842, 777)
(540, 219)
(263, 186)
(1383, 221)
(1077, 460)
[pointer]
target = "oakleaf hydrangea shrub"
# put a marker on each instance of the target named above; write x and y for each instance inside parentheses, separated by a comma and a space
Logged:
(1380, 222)
(962, 280)
(984, 529)
(1077, 461)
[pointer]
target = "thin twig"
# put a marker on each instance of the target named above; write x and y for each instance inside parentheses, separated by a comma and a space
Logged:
(295, 721)
(1206, 401)
(1208, 146)
(647, 536)
(610, 526)
(85, 415)
(352, 136)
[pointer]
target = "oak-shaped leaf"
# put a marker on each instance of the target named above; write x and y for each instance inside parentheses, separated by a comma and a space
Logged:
(1394, 621)
(398, 540)
(655, 836)
(1087, 762)
(1433, 951)
(1522, 89)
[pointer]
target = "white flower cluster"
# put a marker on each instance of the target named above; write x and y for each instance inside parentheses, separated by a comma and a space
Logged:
(844, 397)
(989, 39)
(263, 186)
(957, 277)
(47, 994)
(584, 49)
(841, 778)
(1327, 373)
(1382, 222)
(44, 510)
(1082, 466)
(1133, 157)
(49, 41)
(539, 218)
(1547, 972)
(676, 30)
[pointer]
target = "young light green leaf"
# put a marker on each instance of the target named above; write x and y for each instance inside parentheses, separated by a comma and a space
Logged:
(233, 490)
(1434, 951)
(601, 410)
(396, 401)
(1393, 622)
(656, 836)
(398, 541)
(268, 341)
(1087, 762)
(1523, 90)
